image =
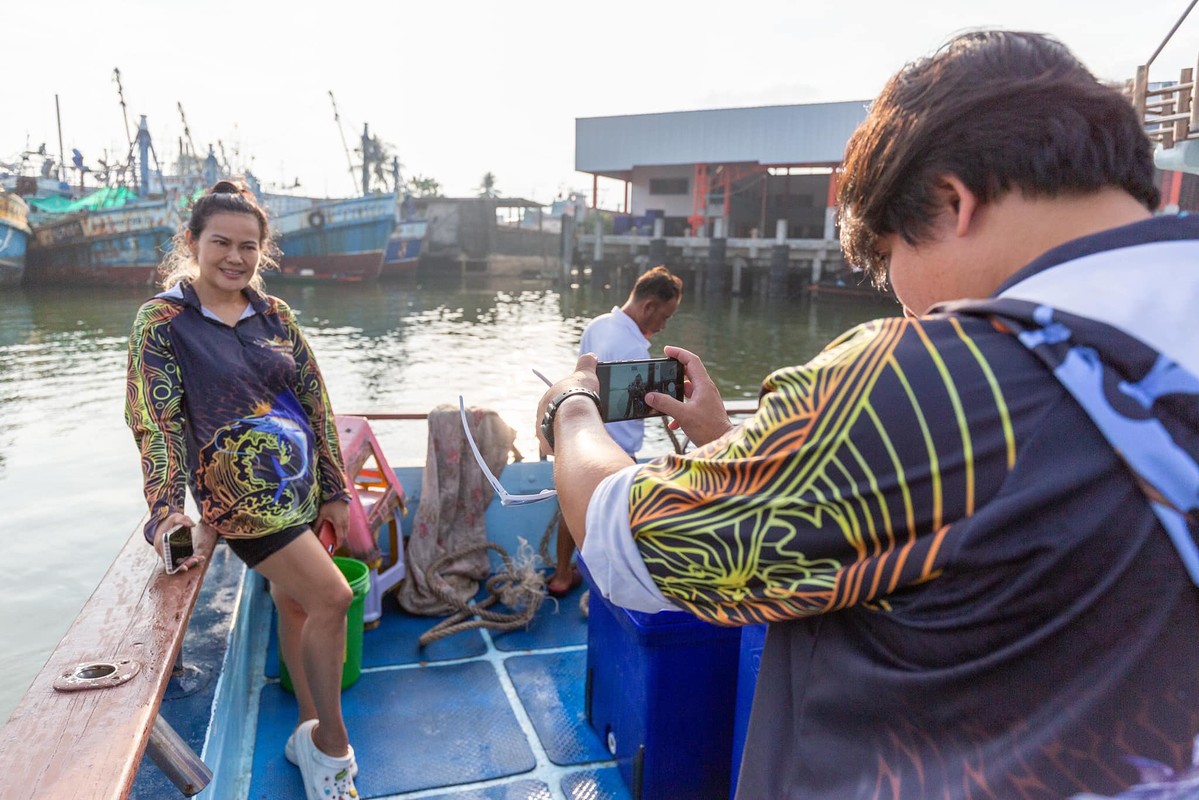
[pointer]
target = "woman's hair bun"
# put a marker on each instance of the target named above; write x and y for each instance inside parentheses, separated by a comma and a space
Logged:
(226, 187)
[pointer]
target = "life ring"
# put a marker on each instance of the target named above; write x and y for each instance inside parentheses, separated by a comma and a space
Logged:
(316, 219)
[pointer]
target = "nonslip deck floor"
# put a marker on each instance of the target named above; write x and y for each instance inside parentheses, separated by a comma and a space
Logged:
(475, 716)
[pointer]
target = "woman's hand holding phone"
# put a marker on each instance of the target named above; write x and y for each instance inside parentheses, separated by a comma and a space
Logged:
(332, 524)
(173, 543)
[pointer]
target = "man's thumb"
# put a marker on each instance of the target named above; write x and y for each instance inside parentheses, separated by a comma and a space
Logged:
(660, 401)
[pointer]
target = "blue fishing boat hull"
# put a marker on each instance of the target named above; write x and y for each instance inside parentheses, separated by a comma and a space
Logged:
(404, 248)
(14, 238)
(107, 247)
(339, 241)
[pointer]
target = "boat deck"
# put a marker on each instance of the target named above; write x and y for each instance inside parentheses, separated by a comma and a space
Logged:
(522, 735)
(478, 715)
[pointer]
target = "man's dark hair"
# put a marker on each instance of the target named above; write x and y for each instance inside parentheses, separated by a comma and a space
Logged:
(1001, 110)
(659, 283)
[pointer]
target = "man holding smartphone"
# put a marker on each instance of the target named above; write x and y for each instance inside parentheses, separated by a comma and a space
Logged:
(621, 335)
(973, 531)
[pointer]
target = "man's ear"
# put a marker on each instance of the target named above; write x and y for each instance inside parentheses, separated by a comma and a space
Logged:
(958, 200)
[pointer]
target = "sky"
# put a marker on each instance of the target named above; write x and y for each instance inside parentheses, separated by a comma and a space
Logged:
(459, 88)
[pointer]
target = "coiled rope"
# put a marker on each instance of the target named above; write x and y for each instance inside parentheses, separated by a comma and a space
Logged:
(520, 585)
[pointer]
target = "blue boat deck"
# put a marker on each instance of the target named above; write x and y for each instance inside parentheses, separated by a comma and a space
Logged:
(478, 715)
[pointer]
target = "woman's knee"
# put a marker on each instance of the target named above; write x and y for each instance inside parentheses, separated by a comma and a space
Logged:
(332, 600)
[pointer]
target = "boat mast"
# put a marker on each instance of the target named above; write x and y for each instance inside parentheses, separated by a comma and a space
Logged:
(367, 159)
(61, 152)
(188, 133)
(143, 146)
(342, 134)
(116, 76)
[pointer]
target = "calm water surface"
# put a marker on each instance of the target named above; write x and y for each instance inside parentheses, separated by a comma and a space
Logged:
(70, 486)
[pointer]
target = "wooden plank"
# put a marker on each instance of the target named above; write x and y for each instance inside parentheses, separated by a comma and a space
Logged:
(87, 745)
(1185, 85)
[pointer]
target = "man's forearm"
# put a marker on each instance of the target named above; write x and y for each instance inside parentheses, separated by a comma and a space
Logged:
(584, 455)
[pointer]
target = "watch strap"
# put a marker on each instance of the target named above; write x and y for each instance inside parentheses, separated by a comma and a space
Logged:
(551, 410)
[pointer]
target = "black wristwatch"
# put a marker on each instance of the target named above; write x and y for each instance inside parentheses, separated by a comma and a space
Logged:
(547, 421)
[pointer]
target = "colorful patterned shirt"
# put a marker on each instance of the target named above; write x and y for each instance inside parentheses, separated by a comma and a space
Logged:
(968, 594)
(238, 414)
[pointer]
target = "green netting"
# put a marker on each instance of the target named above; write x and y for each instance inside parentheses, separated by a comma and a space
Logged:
(104, 197)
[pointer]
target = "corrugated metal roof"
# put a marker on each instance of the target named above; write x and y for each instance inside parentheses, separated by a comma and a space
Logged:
(814, 133)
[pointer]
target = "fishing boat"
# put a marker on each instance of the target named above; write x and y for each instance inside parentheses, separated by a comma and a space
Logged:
(14, 235)
(92, 245)
(113, 236)
(404, 248)
(332, 240)
(339, 240)
(406, 244)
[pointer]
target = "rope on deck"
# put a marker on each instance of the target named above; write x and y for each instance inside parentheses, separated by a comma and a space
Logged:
(519, 586)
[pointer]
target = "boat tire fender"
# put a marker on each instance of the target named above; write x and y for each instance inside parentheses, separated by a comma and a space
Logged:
(316, 219)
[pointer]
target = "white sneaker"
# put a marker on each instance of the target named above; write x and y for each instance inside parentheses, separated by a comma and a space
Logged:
(325, 777)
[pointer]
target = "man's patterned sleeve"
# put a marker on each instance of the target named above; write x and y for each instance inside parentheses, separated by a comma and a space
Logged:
(154, 411)
(841, 489)
(310, 388)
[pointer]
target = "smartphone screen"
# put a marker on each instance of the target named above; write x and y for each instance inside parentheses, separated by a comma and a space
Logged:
(624, 384)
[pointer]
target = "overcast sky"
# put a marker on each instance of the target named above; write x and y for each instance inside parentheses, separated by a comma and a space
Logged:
(462, 88)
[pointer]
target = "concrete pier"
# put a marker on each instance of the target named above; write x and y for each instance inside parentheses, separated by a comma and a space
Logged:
(783, 266)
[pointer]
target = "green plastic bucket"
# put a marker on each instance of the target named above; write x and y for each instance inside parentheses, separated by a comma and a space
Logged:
(358, 575)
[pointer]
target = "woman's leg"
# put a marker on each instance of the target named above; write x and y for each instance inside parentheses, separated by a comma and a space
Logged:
(291, 627)
(312, 638)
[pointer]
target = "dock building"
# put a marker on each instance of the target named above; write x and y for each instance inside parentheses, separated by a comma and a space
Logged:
(741, 198)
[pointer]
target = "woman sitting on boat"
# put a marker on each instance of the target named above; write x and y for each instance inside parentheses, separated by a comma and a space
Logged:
(225, 396)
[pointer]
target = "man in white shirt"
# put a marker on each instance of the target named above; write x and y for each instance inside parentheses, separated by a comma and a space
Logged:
(622, 335)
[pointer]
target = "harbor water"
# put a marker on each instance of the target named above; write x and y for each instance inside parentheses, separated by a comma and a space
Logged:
(70, 483)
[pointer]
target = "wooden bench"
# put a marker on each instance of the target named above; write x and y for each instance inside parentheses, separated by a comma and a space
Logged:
(87, 745)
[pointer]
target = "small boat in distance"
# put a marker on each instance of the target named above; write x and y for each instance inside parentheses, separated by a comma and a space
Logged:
(14, 235)
(403, 248)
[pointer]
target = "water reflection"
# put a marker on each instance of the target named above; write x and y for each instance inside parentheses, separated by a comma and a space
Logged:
(385, 347)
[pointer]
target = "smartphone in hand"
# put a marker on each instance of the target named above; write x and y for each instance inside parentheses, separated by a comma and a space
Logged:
(327, 535)
(624, 384)
(176, 548)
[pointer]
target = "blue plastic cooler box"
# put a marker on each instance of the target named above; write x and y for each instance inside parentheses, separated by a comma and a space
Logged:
(753, 641)
(661, 693)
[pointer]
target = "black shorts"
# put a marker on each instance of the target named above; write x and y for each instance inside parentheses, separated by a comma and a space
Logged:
(255, 551)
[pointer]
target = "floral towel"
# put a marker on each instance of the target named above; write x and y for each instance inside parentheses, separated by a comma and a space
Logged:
(454, 496)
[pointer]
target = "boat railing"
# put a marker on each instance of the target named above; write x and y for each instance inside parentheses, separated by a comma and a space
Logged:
(82, 727)
(733, 408)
